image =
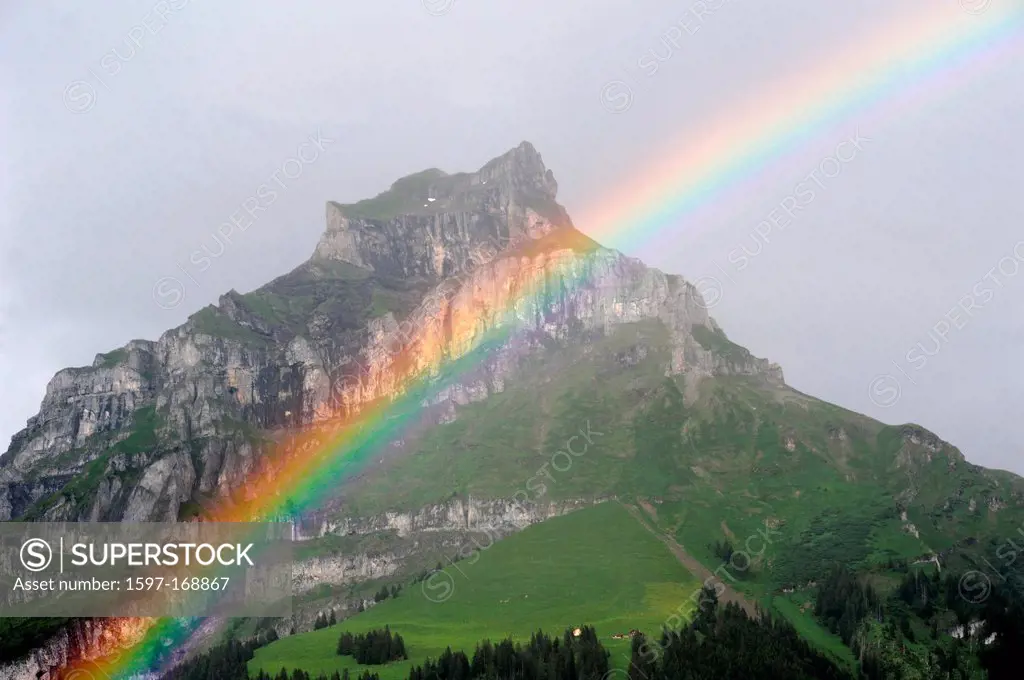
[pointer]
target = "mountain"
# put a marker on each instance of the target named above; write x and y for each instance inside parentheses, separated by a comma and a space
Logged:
(151, 426)
(533, 337)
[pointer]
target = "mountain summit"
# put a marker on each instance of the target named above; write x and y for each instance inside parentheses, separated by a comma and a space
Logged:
(427, 223)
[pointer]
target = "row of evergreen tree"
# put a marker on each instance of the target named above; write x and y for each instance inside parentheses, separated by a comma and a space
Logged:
(726, 643)
(423, 575)
(325, 620)
(373, 648)
(303, 675)
(571, 657)
(227, 661)
(385, 592)
(328, 619)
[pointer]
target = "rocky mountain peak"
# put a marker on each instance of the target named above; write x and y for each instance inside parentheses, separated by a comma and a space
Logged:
(429, 224)
(523, 169)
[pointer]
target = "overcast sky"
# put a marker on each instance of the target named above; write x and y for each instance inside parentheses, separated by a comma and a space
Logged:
(131, 129)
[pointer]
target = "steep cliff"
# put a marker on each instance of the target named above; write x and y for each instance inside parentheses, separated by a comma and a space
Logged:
(77, 640)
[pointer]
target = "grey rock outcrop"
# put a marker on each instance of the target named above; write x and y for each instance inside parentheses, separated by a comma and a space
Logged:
(433, 224)
(81, 641)
(501, 516)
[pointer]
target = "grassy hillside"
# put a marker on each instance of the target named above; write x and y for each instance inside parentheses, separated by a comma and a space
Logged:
(495, 446)
(596, 566)
(716, 464)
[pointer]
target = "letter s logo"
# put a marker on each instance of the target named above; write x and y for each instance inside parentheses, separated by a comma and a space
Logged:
(440, 581)
(36, 554)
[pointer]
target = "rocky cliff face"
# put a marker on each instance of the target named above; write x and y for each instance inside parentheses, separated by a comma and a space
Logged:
(398, 285)
(497, 516)
(454, 528)
(82, 641)
(81, 403)
(432, 224)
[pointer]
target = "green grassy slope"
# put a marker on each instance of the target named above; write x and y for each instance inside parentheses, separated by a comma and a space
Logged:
(597, 566)
(720, 465)
(496, 446)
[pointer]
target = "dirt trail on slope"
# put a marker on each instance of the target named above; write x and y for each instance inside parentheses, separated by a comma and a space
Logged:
(691, 563)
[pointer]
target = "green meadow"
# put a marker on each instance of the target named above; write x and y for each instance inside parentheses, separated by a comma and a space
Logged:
(596, 566)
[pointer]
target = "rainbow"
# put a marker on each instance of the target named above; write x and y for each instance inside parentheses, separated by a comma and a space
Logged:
(898, 63)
